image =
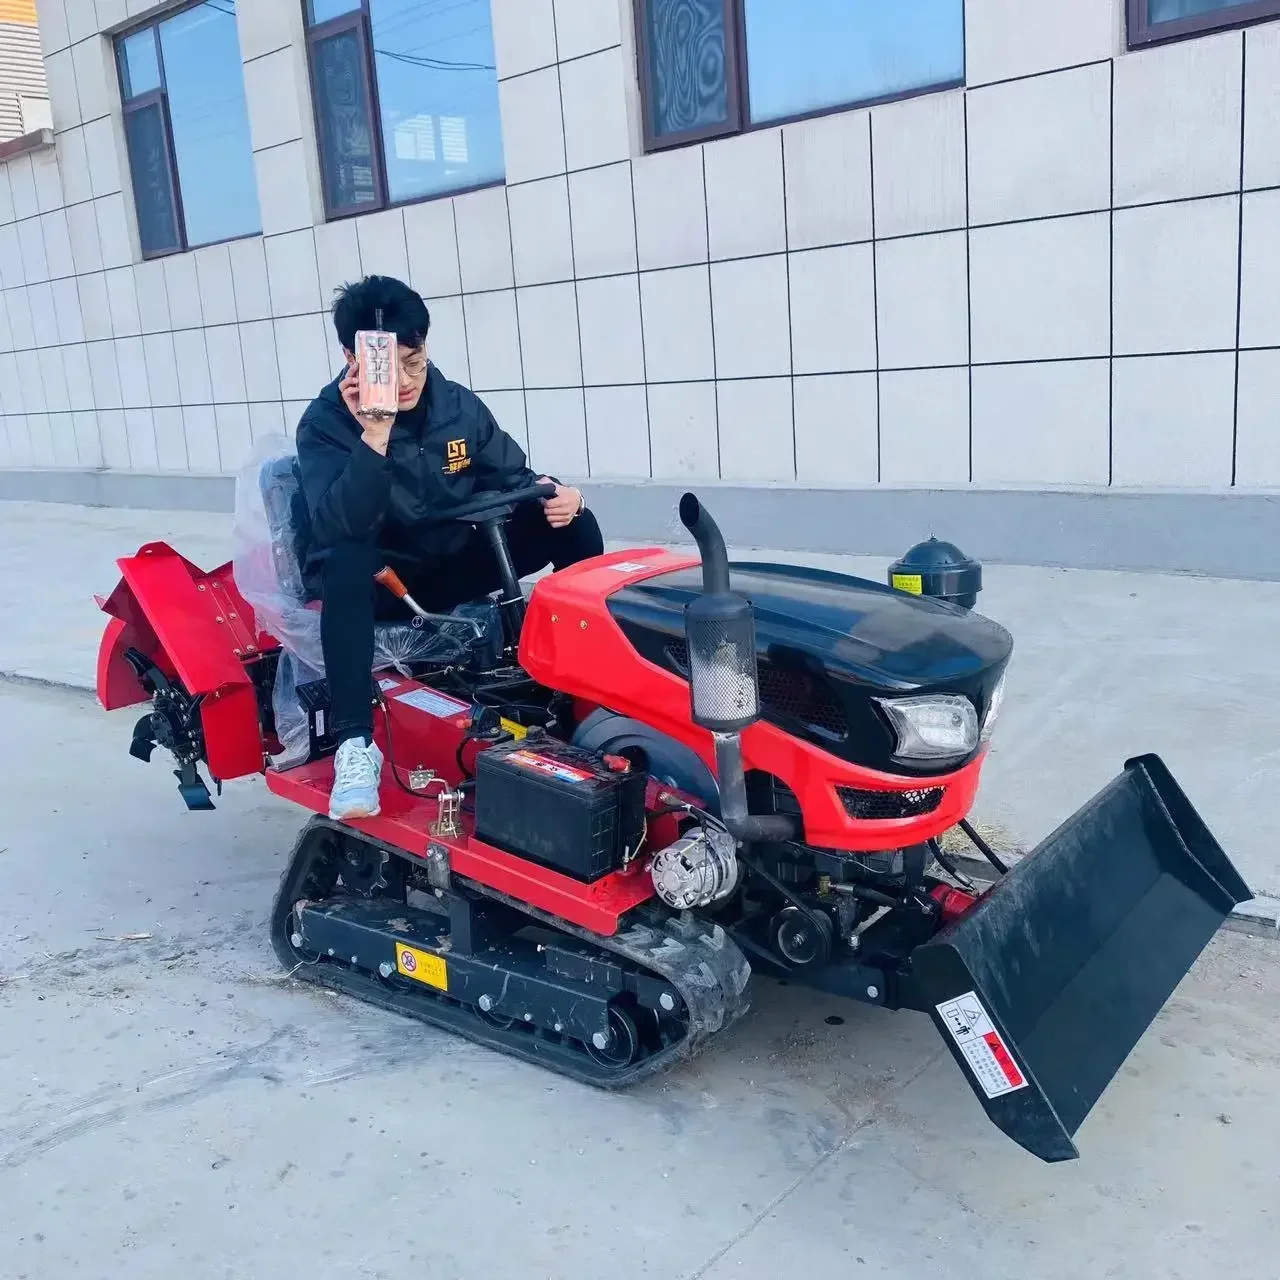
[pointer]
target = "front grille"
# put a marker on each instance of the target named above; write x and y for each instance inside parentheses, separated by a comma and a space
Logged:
(880, 806)
(785, 693)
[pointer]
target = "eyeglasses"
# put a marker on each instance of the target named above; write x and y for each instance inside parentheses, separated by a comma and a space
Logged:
(414, 367)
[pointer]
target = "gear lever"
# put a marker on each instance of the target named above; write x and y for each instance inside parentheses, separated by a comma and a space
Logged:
(390, 579)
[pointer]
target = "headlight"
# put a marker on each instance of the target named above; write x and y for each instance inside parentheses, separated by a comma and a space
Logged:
(940, 727)
(993, 710)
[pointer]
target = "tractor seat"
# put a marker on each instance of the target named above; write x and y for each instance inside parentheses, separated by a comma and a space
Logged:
(288, 520)
(289, 527)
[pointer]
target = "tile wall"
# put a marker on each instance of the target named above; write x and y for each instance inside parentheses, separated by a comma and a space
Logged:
(1066, 275)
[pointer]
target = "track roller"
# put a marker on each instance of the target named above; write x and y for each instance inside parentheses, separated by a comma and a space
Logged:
(359, 916)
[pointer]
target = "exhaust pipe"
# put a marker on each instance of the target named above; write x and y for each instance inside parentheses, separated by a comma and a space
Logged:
(749, 828)
(706, 533)
(724, 687)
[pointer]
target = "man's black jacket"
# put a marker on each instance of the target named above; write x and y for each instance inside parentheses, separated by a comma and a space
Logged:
(439, 454)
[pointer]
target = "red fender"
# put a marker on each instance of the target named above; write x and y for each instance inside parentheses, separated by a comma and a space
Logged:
(196, 628)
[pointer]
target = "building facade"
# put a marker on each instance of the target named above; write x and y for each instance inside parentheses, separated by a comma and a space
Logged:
(1026, 288)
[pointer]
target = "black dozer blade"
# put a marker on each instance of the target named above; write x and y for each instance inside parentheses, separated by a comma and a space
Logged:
(1044, 987)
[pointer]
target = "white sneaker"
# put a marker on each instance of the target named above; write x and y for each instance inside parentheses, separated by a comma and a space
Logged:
(357, 774)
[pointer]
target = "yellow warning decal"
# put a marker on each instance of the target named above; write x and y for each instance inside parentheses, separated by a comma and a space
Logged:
(517, 731)
(912, 583)
(422, 966)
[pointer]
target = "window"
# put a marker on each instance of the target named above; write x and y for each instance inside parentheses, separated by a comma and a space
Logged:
(712, 67)
(406, 100)
(187, 130)
(1154, 20)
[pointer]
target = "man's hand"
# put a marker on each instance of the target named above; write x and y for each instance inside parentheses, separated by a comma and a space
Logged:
(564, 508)
(375, 432)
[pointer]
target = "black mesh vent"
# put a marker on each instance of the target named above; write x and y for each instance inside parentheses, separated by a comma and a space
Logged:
(785, 692)
(723, 649)
(879, 806)
(801, 697)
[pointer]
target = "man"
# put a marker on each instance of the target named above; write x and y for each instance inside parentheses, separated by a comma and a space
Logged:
(380, 492)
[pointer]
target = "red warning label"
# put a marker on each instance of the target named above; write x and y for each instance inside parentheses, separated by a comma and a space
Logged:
(987, 1055)
(552, 768)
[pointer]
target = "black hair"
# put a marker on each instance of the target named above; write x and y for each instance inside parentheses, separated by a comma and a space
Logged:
(356, 307)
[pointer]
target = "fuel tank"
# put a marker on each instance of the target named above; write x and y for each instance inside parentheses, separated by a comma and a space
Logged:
(828, 645)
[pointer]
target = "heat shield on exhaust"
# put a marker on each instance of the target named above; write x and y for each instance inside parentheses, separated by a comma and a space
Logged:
(1044, 987)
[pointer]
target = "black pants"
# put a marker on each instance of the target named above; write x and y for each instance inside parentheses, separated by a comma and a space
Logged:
(352, 601)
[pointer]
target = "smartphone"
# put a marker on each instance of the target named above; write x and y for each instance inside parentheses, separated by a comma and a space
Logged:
(379, 360)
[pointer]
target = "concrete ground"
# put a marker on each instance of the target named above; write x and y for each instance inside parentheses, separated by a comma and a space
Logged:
(173, 1106)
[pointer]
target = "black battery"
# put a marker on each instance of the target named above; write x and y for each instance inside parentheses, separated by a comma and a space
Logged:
(555, 804)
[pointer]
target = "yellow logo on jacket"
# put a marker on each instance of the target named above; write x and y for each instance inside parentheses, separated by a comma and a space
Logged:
(456, 457)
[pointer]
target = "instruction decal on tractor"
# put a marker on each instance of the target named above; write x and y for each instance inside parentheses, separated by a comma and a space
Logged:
(422, 966)
(985, 1052)
(437, 704)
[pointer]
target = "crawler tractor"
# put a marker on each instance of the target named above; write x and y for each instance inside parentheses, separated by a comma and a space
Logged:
(608, 804)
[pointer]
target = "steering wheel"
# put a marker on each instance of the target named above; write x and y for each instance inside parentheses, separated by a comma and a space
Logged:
(494, 504)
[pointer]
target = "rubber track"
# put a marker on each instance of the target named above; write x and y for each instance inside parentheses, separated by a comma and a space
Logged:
(695, 956)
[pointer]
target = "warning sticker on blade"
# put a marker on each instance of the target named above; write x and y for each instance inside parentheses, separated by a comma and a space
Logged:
(439, 705)
(628, 566)
(387, 685)
(422, 966)
(981, 1044)
(546, 765)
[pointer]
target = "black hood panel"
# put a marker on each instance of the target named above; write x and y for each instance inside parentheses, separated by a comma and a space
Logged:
(828, 643)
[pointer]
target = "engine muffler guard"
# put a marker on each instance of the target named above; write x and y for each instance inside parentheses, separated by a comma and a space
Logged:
(1042, 989)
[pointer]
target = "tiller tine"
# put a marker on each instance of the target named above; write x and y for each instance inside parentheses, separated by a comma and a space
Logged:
(192, 789)
(1042, 989)
(144, 742)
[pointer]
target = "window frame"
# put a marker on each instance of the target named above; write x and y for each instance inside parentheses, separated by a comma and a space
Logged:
(735, 80)
(1141, 33)
(140, 102)
(738, 76)
(153, 97)
(360, 19)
